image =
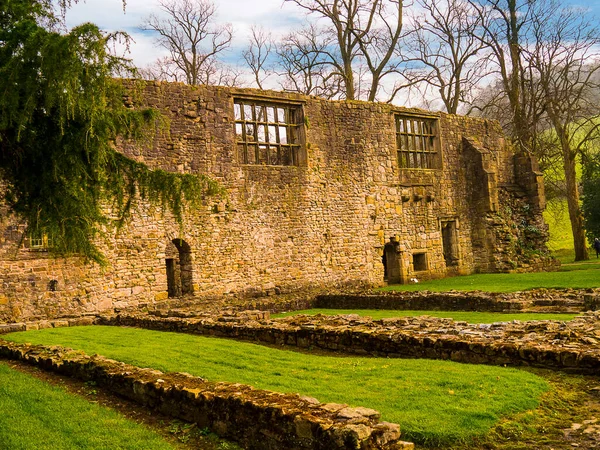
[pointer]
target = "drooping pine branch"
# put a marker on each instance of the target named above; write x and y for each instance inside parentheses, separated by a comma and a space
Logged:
(61, 111)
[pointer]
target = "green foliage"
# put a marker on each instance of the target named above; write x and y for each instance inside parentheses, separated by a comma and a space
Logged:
(556, 216)
(61, 111)
(435, 402)
(590, 203)
(38, 416)
(468, 316)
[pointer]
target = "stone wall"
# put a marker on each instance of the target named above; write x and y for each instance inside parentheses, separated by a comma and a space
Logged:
(570, 346)
(255, 418)
(324, 223)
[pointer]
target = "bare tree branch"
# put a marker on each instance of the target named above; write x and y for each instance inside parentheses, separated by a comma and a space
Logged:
(191, 38)
(362, 41)
(257, 54)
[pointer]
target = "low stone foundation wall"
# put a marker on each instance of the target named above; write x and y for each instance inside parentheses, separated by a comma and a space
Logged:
(257, 419)
(538, 300)
(572, 346)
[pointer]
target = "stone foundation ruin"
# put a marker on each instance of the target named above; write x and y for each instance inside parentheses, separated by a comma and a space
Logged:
(319, 194)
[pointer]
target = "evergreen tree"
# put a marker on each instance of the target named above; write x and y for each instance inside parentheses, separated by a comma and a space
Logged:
(61, 111)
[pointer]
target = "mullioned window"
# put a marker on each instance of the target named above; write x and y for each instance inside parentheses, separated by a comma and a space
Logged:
(268, 133)
(417, 142)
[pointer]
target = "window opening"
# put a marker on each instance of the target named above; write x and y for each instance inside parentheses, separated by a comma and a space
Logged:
(178, 261)
(38, 240)
(419, 262)
(267, 133)
(417, 142)
(450, 242)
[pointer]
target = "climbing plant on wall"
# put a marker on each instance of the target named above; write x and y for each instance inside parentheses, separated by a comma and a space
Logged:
(61, 110)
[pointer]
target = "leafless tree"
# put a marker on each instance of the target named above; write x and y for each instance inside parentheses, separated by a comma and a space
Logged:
(257, 54)
(363, 32)
(444, 45)
(191, 37)
(162, 69)
(304, 63)
(546, 55)
(566, 62)
(505, 30)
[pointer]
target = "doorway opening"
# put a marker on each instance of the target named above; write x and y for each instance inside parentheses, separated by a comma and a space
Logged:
(178, 260)
(391, 262)
(450, 243)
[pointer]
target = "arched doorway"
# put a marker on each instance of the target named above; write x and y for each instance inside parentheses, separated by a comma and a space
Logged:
(178, 259)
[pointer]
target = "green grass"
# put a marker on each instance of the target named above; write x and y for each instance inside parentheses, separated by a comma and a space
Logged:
(35, 415)
(510, 282)
(435, 402)
(556, 216)
(468, 316)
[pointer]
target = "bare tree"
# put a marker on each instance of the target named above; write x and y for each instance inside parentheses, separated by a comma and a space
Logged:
(566, 61)
(162, 69)
(505, 29)
(360, 32)
(546, 55)
(257, 54)
(192, 39)
(444, 45)
(304, 61)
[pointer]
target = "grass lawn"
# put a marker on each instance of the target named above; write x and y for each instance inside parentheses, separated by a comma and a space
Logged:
(468, 316)
(435, 402)
(574, 277)
(35, 415)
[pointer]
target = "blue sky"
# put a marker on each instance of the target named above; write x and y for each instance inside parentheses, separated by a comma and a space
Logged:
(277, 16)
(274, 15)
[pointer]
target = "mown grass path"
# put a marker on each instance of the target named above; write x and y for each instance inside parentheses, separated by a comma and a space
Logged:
(35, 415)
(570, 277)
(435, 402)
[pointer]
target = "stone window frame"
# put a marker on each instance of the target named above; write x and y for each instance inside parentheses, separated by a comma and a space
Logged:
(417, 141)
(269, 132)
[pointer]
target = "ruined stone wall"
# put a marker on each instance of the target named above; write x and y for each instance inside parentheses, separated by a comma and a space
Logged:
(256, 418)
(324, 222)
(568, 346)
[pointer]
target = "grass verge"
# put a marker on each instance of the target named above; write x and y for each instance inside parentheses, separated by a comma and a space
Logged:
(510, 282)
(436, 403)
(467, 316)
(35, 415)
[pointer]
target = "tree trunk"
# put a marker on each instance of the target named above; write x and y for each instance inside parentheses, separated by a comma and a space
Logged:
(572, 192)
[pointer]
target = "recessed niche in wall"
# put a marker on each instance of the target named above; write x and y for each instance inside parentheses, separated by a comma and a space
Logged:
(419, 262)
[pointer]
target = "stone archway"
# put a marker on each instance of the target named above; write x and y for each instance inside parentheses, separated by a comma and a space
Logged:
(178, 261)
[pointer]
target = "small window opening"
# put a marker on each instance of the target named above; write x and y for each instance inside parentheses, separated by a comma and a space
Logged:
(419, 262)
(38, 240)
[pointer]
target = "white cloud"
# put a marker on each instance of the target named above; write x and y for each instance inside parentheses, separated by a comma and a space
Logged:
(274, 15)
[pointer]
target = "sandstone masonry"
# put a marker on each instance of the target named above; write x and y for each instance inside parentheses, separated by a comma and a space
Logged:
(318, 194)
